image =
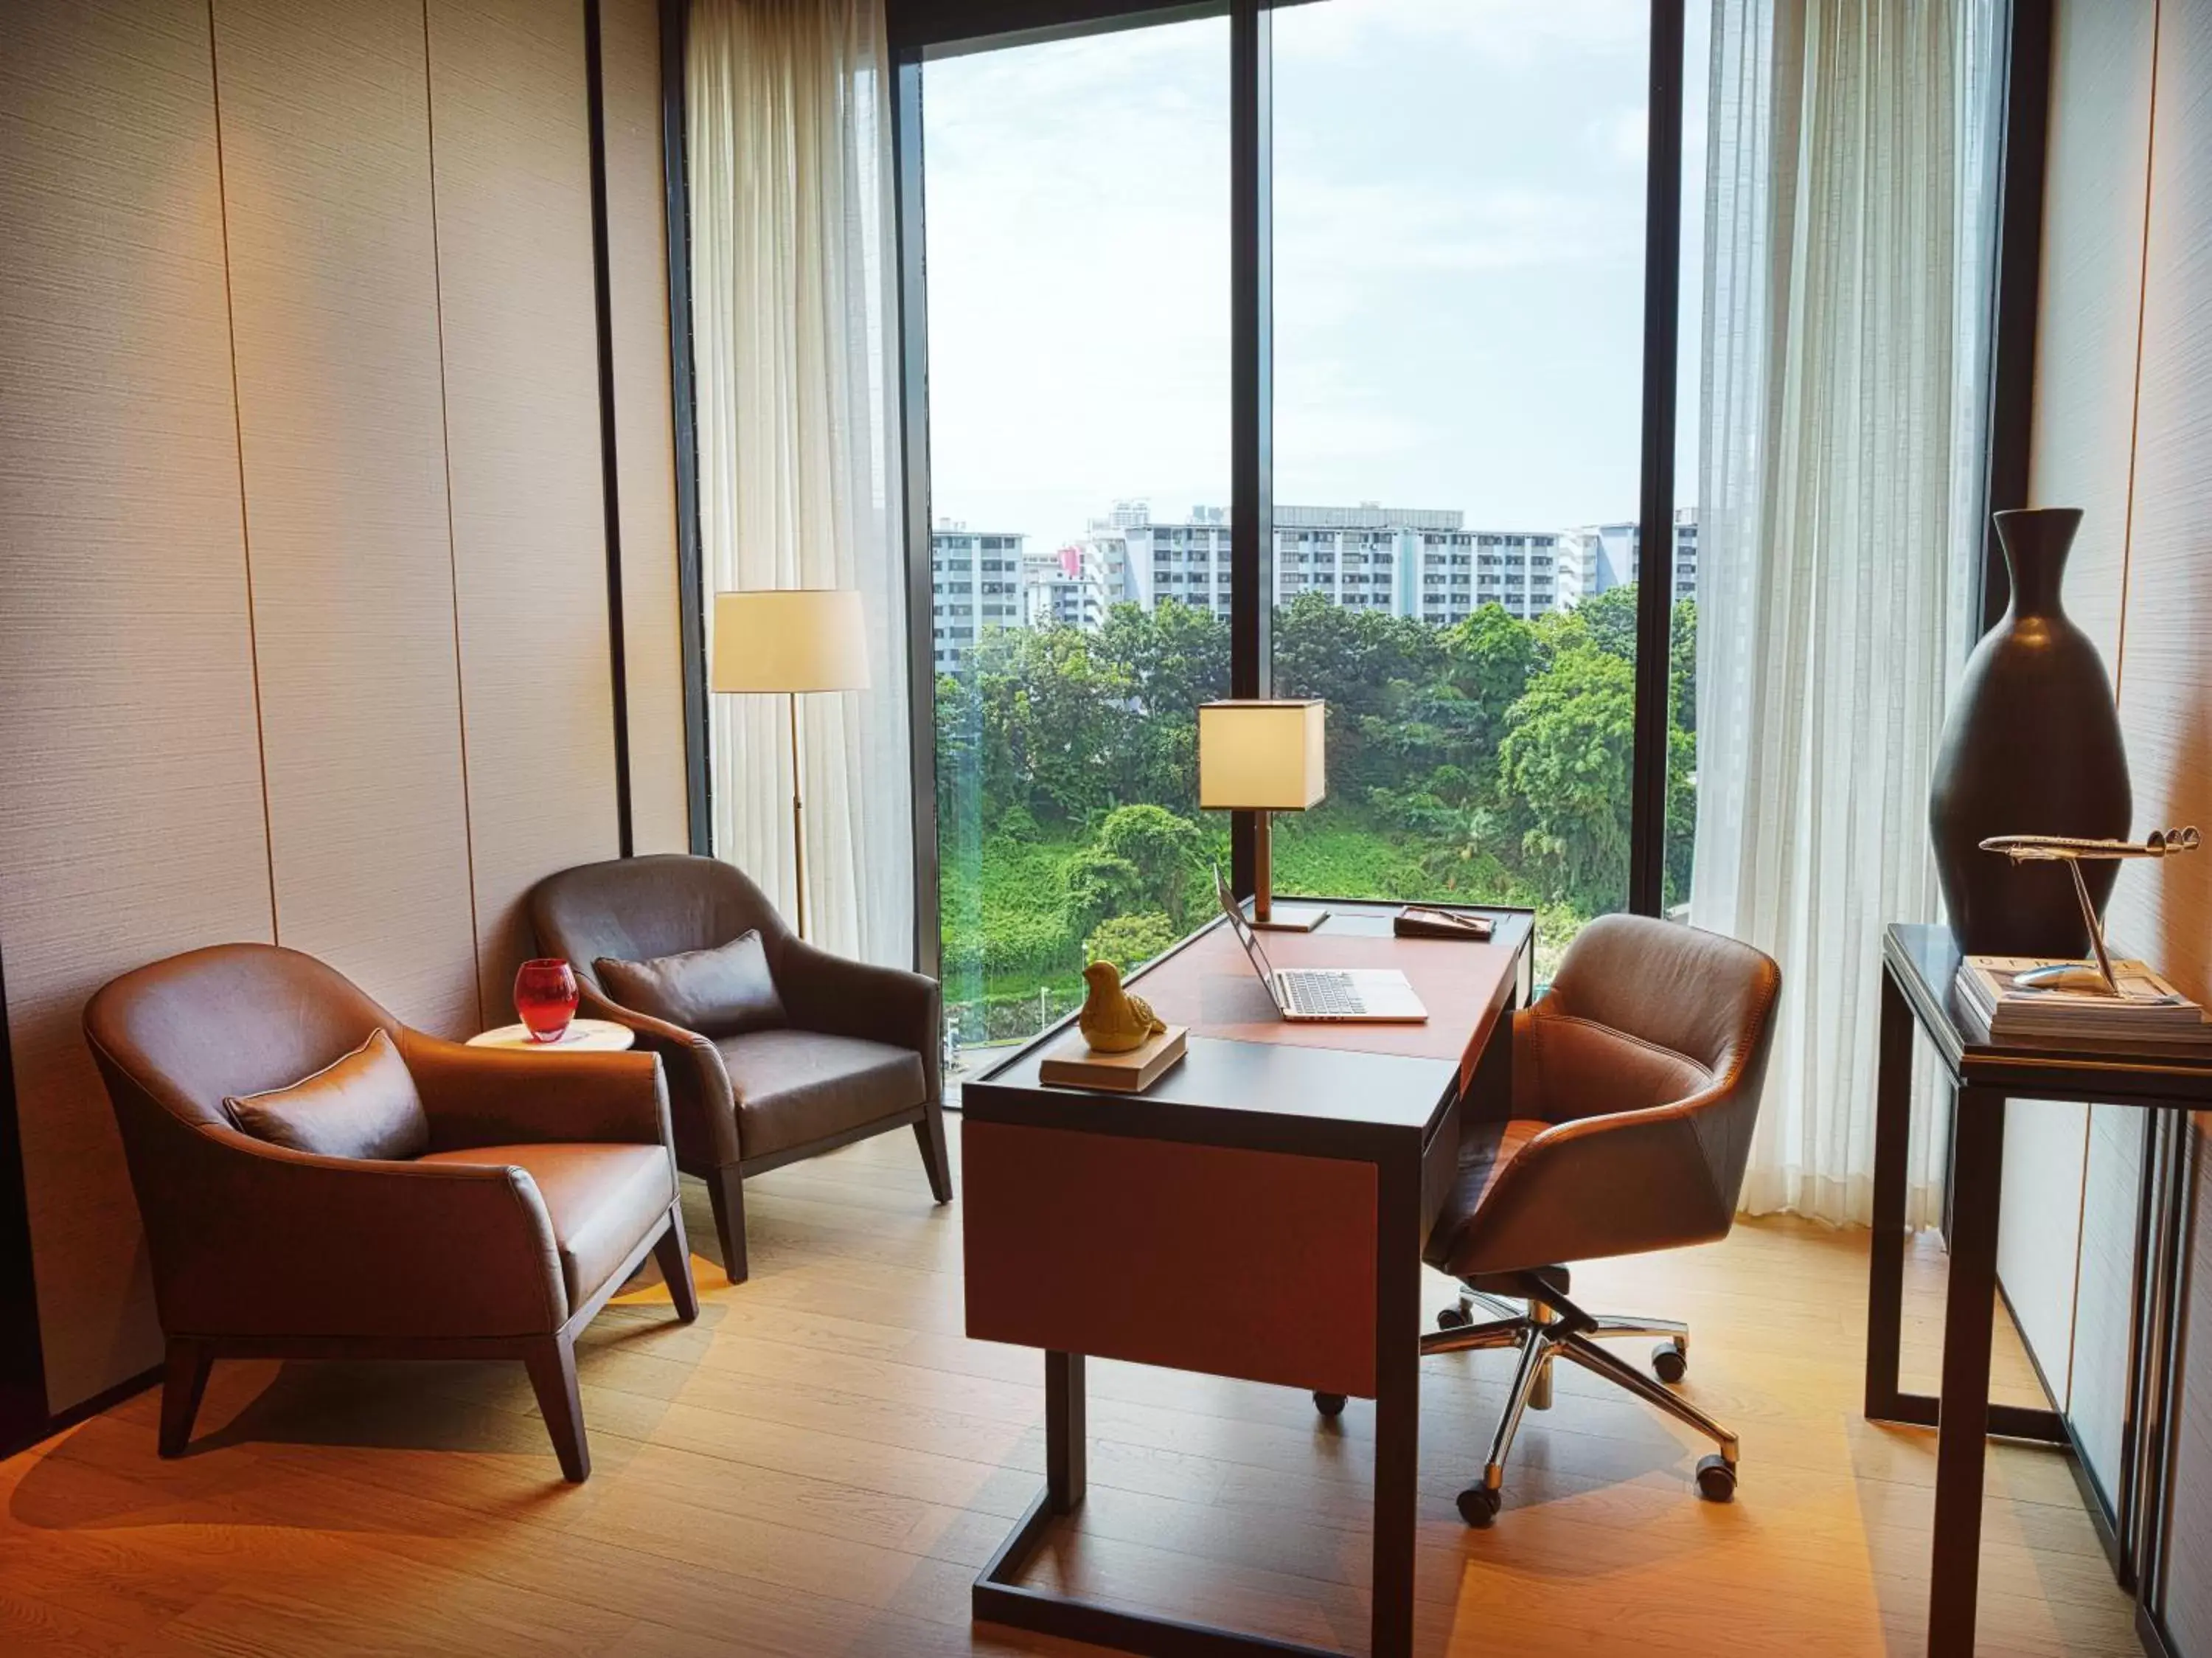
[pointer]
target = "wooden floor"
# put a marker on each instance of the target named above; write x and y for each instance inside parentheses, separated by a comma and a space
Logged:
(820, 1465)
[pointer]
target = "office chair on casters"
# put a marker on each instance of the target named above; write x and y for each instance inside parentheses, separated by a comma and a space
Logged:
(1636, 1086)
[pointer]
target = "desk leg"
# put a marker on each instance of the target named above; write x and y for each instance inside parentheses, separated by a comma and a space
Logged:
(1066, 1432)
(1893, 1145)
(1397, 1403)
(1962, 1447)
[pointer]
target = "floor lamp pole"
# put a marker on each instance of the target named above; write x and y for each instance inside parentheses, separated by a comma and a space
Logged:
(798, 815)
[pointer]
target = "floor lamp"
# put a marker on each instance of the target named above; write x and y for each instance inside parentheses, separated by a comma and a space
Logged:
(786, 641)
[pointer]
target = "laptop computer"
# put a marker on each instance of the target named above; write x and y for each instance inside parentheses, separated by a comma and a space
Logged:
(1378, 996)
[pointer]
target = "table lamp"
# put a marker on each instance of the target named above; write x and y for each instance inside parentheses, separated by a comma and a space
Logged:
(1262, 756)
(785, 641)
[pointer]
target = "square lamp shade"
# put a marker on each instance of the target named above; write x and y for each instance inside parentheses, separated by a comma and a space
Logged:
(1264, 756)
(789, 639)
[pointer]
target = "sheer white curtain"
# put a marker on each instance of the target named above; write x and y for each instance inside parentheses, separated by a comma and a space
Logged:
(1848, 225)
(793, 319)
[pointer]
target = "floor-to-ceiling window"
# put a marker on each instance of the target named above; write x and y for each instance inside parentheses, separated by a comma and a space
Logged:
(1076, 234)
(1460, 258)
(1458, 284)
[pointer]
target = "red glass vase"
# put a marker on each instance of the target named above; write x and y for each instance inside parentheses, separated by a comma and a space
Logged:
(545, 998)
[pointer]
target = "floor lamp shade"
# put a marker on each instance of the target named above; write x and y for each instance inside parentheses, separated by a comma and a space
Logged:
(789, 639)
(787, 642)
(1262, 756)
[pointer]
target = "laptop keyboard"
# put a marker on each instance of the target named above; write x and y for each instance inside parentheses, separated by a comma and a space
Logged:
(1317, 990)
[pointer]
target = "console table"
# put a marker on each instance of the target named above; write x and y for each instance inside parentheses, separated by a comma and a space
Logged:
(1919, 964)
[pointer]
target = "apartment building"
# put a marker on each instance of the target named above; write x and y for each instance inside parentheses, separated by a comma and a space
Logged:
(975, 582)
(1421, 562)
(1064, 587)
(1607, 555)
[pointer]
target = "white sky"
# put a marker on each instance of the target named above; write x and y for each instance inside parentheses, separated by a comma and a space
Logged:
(1459, 223)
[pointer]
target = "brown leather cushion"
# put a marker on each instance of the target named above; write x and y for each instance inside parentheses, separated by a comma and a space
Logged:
(795, 1087)
(1485, 1149)
(723, 991)
(1565, 1068)
(603, 1199)
(363, 1104)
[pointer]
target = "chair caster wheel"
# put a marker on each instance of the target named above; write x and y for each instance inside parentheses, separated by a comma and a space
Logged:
(1329, 1404)
(1669, 1362)
(1454, 1317)
(1479, 1506)
(1716, 1479)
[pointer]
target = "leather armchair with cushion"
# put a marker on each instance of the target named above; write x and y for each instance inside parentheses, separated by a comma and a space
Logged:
(532, 1187)
(853, 1051)
(1635, 1082)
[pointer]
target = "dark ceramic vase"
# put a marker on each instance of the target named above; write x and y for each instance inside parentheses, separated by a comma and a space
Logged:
(2032, 747)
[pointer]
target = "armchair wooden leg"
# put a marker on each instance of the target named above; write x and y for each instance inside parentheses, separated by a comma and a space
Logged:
(930, 1133)
(184, 1382)
(726, 1186)
(552, 1364)
(673, 1256)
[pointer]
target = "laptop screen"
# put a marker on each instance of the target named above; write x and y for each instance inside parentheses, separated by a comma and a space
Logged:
(1245, 935)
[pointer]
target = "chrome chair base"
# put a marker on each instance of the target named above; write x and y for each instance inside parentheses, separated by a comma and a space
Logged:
(1550, 1328)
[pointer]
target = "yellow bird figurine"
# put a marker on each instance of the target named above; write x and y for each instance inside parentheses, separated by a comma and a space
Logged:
(1113, 1020)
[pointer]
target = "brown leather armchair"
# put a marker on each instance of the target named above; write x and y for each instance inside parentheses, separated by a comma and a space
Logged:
(547, 1181)
(1636, 1088)
(860, 1055)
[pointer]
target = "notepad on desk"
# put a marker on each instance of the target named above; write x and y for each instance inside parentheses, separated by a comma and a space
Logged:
(1422, 920)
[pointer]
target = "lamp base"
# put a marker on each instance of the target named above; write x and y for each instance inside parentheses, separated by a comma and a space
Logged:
(1291, 918)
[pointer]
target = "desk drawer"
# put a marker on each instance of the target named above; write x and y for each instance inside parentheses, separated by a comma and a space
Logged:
(1259, 1265)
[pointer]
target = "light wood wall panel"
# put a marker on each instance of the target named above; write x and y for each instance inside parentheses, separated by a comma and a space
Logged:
(2165, 701)
(513, 158)
(333, 268)
(2092, 280)
(130, 816)
(637, 274)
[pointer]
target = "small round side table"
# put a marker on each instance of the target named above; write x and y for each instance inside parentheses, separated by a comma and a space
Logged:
(582, 1036)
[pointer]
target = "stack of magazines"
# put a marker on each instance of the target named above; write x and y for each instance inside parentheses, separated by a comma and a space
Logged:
(2149, 1014)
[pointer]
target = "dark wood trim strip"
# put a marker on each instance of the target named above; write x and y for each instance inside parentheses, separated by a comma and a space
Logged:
(1655, 592)
(1251, 387)
(690, 569)
(2150, 1630)
(610, 471)
(2017, 278)
(23, 1407)
(2178, 1218)
(909, 208)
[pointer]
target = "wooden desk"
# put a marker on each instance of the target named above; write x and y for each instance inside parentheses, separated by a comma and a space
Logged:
(1258, 1213)
(1918, 964)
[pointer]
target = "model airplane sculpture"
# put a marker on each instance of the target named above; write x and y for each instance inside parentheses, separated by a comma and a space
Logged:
(2072, 852)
